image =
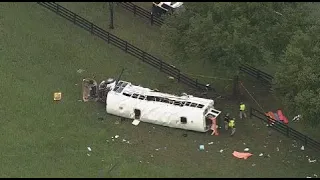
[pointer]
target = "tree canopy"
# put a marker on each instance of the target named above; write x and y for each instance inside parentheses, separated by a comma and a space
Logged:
(298, 76)
(229, 33)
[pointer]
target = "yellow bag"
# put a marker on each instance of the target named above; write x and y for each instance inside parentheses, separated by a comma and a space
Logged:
(57, 96)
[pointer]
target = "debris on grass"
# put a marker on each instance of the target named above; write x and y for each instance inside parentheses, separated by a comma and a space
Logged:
(116, 136)
(157, 149)
(221, 150)
(151, 155)
(88, 154)
(117, 122)
(253, 164)
(308, 177)
(210, 143)
(261, 154)
(244, 143)
(123, 140)
(278, 149)
(89, 149)
(80, 71)
(135, 122)
(302, 148)
(312, 161)
(57, 96)
(170, 77)
(80, 100)
(246, 149)
(241, 155)
(201, 147)
(315, 175)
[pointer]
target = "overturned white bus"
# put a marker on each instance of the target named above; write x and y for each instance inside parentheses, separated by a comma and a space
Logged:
(146, 105)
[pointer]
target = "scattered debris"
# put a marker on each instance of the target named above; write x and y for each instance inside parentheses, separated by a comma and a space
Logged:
(302, 148)
(135, 122)
(80, 71)
(201, 147)
(117, 122)
(57, 96)
(315, 175)
(312, 161)
(308, 177)
(261, 154)
(221, 150)
(80, 100)
(280, 140)
(151, 155)
(116, 136)
(241, 155)
(89, 149)
(246, 149)
(112, 139)
(140, 161)
(278, 149)
(265, 146)
(107, 140)
(253, 164)
(88, 154)
(244, 143)
(128, 142)
(123, 140)
(170, 77)
(210, 143)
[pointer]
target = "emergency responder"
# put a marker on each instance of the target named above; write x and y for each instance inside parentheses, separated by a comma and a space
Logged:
(232, 125)
(226, 121)
(242, 110)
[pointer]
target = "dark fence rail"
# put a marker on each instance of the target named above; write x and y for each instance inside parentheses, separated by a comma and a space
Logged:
(286, 130)
(124, 45)
(258, 74)
(141, 12)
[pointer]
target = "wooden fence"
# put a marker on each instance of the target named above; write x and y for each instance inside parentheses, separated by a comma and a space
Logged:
(286, 130)
(141, 12)
(265, 78)
(125, 46)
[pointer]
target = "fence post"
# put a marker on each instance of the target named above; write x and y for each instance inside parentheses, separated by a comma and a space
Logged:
(151, 18)
(126, 47)
(58, 6)
(108, 37)
(160, 65)
(305, 140)
(91, 28)
(74, 17)
(143, 56)
(134, 9)
(258, 74)
(288, 130)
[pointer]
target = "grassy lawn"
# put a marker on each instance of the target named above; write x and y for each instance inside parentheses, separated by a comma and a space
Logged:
(40, 53)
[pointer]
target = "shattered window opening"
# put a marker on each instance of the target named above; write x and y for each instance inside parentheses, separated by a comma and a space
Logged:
(183, 120)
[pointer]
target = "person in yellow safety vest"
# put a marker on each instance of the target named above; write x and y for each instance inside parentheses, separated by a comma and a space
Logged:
(242, 110)
(232, 126)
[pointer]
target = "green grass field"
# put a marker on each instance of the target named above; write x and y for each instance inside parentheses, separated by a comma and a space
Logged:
(40, 54)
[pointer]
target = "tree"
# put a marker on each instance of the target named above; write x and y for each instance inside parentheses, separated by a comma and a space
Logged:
(227, 34)
(298, 75)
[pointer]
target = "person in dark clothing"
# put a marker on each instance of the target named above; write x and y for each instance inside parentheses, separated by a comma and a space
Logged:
(226, 121)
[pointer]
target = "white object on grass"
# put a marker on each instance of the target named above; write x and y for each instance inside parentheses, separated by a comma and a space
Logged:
(210, 143)
(221, 151)
(116, 136)
(246, 149)
(261, 154)
(89, 149)
(135, 122)
(201, 147)
(302, 148)
(312, 161)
